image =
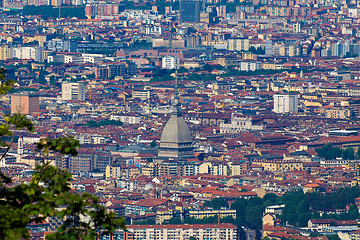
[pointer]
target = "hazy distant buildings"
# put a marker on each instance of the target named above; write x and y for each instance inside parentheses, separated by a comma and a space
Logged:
(73, 91)
(249, 66)
(109, 71)
(101, 9)
(17, 4)
(24, 103)
(143, 94)
(35, 53)
(286, 103)
(239, 124)
(238, 44)
(189, 11)
(268, 48)
(60, 45)
(129, 119)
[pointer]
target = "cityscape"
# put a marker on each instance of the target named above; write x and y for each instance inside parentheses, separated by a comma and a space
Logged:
(191, 120)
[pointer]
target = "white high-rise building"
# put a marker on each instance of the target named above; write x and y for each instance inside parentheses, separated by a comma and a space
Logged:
(73, 91)
(170, 62)
(286, 103)
(35, 53)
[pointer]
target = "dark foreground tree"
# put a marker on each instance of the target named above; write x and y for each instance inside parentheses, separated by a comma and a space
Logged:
(48, 194)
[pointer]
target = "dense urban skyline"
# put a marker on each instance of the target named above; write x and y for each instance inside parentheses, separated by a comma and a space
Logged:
(196, 119)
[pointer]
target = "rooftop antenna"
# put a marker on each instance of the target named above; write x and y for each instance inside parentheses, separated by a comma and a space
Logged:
(176, 97)
(176, 93)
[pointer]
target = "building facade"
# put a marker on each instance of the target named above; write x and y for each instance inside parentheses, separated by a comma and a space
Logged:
(35, 53)
(24, 103)
(239, 124)
(170, 62)
(73, 91)
(189, 11)
(286, 103)
(184, 231)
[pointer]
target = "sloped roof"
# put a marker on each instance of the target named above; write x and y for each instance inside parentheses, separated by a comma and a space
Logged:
(176, 131)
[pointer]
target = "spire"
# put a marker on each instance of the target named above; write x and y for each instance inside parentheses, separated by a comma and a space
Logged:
(176, 101)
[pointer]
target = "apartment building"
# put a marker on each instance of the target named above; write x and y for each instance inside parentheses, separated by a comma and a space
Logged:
(73, 91)
(239, 124)
(279, 165)
(24, 103)
(226, 231)
(238, 44)
(170, 62)
(130, 119)
(35, 53)
(286, 103)
(200, 214)
(5, 52)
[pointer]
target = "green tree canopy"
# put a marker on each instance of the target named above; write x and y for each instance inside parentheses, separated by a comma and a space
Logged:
(217, 203)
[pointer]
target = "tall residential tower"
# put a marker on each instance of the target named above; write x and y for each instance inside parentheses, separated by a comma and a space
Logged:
(286, 103)
(189, 11)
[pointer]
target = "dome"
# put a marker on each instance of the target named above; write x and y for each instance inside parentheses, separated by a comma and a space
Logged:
(176, 131)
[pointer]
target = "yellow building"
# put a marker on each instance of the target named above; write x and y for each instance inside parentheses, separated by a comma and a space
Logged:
(148, 170)
(4, 52)
(121, 171)
(276, 11)
(279, 165)
(238, 44)
(341, 113)
(235, 169)
(201, 214)
(164, 215)
(41, 39)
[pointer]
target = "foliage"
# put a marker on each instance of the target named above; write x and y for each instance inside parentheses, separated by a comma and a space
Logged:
(48, 193)
(315, 234)
(333, 237)
(163, 78)
(104, 123)
(348, 153)
(201, 77)
(141, 44)
(217, 203)
(175, 220)
(254, 217)
(146, 222)
(63, 145)
(242, 233)
(192, 220)
(52, 12)
(153, 144)
(209, 68)
(7, 85)
(257, 234)
(329, 152)
(299, 208)
(258, 50)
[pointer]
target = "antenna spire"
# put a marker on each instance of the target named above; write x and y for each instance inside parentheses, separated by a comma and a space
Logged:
(176, 93)
(176, 102)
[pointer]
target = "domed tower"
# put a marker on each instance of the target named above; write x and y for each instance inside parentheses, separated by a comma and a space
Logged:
(176, 140)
